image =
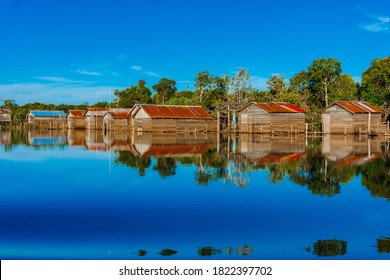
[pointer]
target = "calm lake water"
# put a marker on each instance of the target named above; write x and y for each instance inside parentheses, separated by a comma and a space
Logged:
(77, 195)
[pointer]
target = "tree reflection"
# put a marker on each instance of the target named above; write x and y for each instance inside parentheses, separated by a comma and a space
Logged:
(208, 251)
(129, 159)
(167, 252)
(166, 166)
(321, 176)
(383, 245)
(376, 177)
(330, 248)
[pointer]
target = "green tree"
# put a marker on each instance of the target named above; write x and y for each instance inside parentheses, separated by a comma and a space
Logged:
(203, 83)
(343, 88)
(165, 89)
(217, 94)
(376, 84)
(277, 87)
(300, 84)
(139, 94)
(239, 85)
(323, 73)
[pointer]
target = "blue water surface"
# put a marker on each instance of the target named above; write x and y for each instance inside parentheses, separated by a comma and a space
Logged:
(66, 202)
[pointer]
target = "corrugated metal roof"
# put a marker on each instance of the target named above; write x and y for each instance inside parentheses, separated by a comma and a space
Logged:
(278, 158)
(97, 111)
(47, 113)
(120, 115)
(357, 159)
(174, 112)
(279, 107)
(77, 113)
(358, 107)
(5, 111)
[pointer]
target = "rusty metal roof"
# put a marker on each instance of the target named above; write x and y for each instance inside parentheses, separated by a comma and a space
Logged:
(358, 107)
(357, 159)
(120, 115)
(175, 112)
(279, 107)
(5, 111)
(77, 113)
(177, 150)
(278, 158)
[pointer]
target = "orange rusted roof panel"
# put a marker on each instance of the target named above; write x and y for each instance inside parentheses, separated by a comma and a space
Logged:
(77, 113)
(120, 115)
(280, 107)
(357, 159)
(359, 107)
(176, 150)
(175, 112)
(278, 158)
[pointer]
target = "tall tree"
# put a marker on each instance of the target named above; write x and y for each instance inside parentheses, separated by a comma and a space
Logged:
(323, 72)
(203, 83)
(277, 87)
(133, 95)
(165, 89)
(343, 88)
(300, 84)
(376, 84)
(239, 84)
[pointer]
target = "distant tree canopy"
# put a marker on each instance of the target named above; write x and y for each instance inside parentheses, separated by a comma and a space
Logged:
(375, 86)
(313, 89)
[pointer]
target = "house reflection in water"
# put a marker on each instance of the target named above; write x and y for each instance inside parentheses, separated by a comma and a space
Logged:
(5, 137)
(349, 150)
(41, 138)
(266, 150)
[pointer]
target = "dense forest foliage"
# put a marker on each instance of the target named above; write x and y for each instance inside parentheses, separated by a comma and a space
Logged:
(312, 89)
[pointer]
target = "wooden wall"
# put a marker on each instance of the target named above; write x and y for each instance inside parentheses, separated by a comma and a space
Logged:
(174, 125)
(337, 120)
(76, 122)
(94, 122)
(254, 119)
(47, 122)
(111, 124)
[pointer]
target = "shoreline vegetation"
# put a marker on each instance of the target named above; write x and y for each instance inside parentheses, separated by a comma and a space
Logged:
(312, 89)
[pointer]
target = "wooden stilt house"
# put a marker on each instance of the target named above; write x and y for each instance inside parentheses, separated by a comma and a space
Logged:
(47, 119)
(271, 118)
(5, 116)
(352, 117)
(117, 120)
(166, 118)
(75, 119)
(94, 118)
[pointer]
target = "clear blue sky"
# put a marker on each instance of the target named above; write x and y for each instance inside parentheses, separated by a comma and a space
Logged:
(71, 51)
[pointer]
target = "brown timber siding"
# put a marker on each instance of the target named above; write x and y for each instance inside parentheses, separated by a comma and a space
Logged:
(174, 125)
(254, 119)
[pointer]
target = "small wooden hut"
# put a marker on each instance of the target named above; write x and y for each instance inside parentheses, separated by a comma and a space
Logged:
(75, 119)
(5, 116)
(271, 118)
(166, 118)
(117, 120)
(350, 117)
(94, 118)
(47, 119)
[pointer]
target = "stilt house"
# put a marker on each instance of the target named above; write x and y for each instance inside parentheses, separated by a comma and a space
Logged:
(117, 120)
(5, 116)
(166, 118)
(271, 118)
(75, 119)
(47, 119)
(94, 118)
(350, 117)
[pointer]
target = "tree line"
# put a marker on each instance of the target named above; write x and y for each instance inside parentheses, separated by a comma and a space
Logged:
(312, 89)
